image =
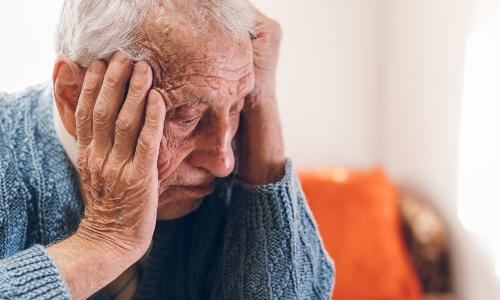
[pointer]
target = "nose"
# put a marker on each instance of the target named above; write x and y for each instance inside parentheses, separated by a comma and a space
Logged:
(214, 152)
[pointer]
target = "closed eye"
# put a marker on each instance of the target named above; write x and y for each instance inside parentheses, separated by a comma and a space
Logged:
(189, 121)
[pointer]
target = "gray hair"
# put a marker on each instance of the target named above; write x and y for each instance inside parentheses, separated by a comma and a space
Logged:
(94, 29)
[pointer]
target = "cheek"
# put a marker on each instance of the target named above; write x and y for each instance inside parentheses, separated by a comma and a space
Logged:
(173, 149)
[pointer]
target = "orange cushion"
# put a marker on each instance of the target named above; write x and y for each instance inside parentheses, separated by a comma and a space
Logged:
(357, 217)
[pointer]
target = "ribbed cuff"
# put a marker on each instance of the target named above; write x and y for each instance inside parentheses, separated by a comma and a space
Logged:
(31, 274)
(268, 206)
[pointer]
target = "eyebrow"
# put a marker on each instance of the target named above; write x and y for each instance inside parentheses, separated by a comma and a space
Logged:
(192, 101)
(205, 100)
(198, 100)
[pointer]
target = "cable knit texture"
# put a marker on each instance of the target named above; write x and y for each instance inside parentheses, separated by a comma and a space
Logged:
(244, 242)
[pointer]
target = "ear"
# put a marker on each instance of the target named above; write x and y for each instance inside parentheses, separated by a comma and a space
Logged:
(67, 79)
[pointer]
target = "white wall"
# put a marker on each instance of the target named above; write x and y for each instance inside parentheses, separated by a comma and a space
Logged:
(26, 47)
(422, 96)
(328, 81)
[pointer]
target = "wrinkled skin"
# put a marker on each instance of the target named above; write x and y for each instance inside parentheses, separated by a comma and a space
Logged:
(204, 85)
(196, 93)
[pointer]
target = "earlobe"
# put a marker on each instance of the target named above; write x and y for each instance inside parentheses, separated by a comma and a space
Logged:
(67, 79)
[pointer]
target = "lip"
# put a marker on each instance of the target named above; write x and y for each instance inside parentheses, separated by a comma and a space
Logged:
(202, 189)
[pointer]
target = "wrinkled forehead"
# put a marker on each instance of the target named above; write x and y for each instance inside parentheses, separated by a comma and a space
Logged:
(176, 50)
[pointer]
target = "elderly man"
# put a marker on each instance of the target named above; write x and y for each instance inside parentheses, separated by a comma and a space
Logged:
(155, 92)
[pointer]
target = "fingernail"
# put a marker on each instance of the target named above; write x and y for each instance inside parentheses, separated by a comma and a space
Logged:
(120, 57)
(96, 68)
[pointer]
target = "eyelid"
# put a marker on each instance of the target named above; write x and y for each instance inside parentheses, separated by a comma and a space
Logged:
(185, 125)
(189, 122)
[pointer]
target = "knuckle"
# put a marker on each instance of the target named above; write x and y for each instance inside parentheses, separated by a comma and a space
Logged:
(83, 168)
(119, 160)
(147, 141)
(94, 166)
(109, 173)
(135, 94)
(124, 125)
(82, 113)
(94, 175)
(101, 114)
(137, 88)
(88, 88)
(111, 82)
(81, 159)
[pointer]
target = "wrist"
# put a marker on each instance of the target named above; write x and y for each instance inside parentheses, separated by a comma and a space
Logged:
(88, 265)
(115, 240)
(267, 173)
(260, 145)
(106, 244)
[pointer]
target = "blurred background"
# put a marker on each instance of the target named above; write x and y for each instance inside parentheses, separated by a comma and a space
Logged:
(412, 87)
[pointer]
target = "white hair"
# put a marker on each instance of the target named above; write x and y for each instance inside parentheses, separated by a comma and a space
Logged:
(94, 29)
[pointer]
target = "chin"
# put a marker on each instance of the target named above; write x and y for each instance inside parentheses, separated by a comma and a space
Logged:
(177, 209)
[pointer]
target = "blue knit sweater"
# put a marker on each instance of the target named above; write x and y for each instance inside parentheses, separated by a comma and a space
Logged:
(243, 242)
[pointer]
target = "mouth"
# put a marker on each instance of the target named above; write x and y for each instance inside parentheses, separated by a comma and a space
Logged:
(185, 190)
(206, 188)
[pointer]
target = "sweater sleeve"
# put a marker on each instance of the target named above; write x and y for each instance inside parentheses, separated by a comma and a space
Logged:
(272, 248)
(31, 274)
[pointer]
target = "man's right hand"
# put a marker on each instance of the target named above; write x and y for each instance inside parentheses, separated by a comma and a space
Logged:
(117, 160)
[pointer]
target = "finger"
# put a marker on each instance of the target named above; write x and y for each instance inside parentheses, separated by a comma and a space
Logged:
(264, 24)
(109, 102)
(90, 91)
(129, 119)
(148, 145)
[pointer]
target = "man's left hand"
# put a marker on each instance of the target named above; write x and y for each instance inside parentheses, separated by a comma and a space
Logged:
(260, 144)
